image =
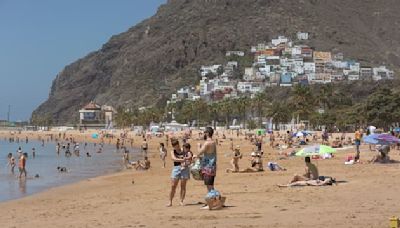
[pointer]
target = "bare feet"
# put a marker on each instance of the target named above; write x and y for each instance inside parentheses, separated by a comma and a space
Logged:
(182, 203)
(169, 204)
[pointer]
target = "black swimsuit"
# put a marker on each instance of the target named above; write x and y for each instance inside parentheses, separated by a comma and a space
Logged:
(179, 156)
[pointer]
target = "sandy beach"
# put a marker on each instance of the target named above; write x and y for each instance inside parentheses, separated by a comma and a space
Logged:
(368, 196)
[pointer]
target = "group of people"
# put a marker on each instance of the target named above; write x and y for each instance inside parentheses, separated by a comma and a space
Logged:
(183, 157)
(21, 163)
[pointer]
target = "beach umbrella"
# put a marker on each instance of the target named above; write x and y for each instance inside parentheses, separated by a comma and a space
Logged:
(371, 139)
(300, 134)
(315, 150)
(382, 139)
(388, 138)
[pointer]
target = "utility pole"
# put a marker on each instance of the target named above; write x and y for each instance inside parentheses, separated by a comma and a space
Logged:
(8, 113)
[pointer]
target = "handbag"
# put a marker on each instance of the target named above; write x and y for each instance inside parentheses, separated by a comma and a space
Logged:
(195, 170)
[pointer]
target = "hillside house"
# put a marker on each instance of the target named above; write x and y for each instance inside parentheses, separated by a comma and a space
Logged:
(205, 70)
(302, 35)
(237, 53)
(250, 87)
(366, 73)
(382, 73)
(286, 79)
(280, 40)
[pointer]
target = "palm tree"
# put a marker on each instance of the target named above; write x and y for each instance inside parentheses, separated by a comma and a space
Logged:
(302, 101)
(259, 104)
(225, 108)
(213, 110)
(325, 96)
(242, 104)
(279, 112)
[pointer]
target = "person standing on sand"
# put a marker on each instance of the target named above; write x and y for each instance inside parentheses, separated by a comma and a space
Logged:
(22, 165)
(163, 153)
(357, 141)
(144, 147)
(235, 160)
(208, 154)
(177, 173)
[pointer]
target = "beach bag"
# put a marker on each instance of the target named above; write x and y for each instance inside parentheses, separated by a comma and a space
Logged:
(214, 200)
(195, 170)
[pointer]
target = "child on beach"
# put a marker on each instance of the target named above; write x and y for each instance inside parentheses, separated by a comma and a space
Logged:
(188, 156)
(11, 162)
(163, 153)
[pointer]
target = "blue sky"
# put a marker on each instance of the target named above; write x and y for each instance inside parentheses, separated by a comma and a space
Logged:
(39, 37)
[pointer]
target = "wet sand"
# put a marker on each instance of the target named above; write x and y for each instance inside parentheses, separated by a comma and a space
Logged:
(367, 199)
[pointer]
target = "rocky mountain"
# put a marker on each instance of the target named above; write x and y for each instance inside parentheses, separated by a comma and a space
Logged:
(144, 65)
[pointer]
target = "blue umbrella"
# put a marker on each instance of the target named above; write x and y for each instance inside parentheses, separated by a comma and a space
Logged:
(383, 139)
(371, 139)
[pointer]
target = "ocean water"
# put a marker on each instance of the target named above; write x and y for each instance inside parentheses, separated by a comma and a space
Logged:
(46, 162)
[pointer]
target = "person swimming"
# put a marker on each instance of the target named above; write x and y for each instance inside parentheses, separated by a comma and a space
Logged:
(61, 169)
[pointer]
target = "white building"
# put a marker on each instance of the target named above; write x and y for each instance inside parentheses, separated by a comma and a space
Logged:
(353, 76)
(382, 73)
(302, 35)
(280, 40)
(237, 53)
(249, 74)
(204, 70)
(250, 87)
(309, 67)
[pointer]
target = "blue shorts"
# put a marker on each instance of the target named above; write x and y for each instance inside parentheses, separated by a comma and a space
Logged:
(179, 173)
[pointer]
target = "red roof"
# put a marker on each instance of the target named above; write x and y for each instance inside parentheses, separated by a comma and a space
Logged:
(92, 106)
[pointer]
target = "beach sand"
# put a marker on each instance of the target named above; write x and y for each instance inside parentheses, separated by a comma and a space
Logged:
(369, 197)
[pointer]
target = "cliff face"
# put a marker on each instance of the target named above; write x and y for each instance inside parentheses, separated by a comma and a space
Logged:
(145, 64)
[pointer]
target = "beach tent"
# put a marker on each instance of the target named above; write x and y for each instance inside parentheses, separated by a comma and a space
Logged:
(260, 132)
(95, 135)
(315, 150)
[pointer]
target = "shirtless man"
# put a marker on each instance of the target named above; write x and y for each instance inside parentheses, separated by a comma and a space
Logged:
(311, 172)
(22, 165)
(208, 152)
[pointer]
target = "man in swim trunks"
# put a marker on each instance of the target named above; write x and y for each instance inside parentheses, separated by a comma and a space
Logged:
(208, 152)
(22, 165)
(311, 172)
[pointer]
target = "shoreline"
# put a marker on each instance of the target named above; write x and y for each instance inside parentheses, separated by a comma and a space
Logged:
(35, 137)
(253, 198)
